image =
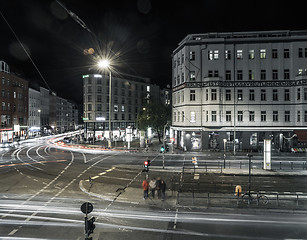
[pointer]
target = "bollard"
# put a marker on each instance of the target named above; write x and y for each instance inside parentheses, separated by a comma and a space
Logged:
(291, 165)
(193, 197)
(279, 165)
(277, 200)
(208, 200)
(240, 165)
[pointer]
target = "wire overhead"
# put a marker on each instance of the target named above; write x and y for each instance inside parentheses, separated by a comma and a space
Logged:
(25, 50)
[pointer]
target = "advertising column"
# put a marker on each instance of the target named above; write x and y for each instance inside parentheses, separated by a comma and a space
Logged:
(267, 154)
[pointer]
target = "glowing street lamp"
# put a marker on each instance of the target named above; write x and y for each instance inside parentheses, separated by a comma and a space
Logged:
(105, 64)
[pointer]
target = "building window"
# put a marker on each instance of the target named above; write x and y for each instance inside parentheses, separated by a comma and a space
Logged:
(228, 95)
(213, 94)
(251, 116)
(274, 74)
(216, 55)
(192, 76)
(89, 107)
(228, 75)
(240, 95)
(174, 116)
(228, 116)
(275, 116)
(89, 89)
(210, 55)
(192, 95)
(182, 116)
(274, 53)
(298, 94)
(298, 119)
(251, 54)
(240, 116)
(305, 94)
(178, 117)
(239, 54)
(213, 116)
(287, 95)
(262, 53)
(286, 53)
(263, 75)
(227, 54)
(286, 74)
(251, 75)
(193, 117)
(263, 116)
(305, 116)
(275, 95)
(287, 116)
(263, 95)
(192, 55)
(300, 52)
(251, 95)
(240, 75)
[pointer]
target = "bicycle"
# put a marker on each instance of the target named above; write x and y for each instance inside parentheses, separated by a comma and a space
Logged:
(250, 197)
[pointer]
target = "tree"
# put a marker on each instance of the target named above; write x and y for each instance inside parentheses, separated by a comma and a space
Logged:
(154, 115)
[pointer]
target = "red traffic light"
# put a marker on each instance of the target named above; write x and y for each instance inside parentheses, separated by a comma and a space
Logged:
(146, 163)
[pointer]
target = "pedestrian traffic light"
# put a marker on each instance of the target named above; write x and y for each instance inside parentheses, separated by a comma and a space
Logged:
(89, 226)
(146, 166)
(162, 149)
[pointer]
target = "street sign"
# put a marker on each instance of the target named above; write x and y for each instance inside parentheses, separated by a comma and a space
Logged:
(87, 208)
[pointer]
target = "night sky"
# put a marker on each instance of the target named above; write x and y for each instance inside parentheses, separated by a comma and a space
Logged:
(139, 35)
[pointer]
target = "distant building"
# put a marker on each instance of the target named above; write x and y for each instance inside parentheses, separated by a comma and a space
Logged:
(34, 122)
(14, 104)
(242, 87)
(128, 94)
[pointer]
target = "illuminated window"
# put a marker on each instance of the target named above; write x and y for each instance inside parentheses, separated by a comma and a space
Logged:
(193, 117)
(262, 54)
(239, 54)
(251, 54)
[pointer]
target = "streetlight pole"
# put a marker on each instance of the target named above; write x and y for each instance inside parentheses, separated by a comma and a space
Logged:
(105, 64)
(110, 112)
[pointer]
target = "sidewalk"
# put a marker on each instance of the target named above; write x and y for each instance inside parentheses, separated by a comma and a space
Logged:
(132, 194)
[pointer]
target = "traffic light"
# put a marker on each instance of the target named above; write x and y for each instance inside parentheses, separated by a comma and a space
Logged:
(162, 149)
(146, 165)
(89, 227)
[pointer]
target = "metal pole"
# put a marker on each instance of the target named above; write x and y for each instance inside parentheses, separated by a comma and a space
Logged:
(249, 175)
(110, 103)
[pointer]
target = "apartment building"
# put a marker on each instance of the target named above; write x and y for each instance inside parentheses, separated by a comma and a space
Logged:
(14, 104)
(238, 89)
(128, 94)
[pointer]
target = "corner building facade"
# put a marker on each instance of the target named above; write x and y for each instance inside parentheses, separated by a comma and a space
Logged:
(233, 90)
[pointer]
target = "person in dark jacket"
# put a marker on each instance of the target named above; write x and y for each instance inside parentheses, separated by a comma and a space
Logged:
(158, 187)
(163, 188)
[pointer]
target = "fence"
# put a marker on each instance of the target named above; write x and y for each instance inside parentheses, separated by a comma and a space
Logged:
(275, 200)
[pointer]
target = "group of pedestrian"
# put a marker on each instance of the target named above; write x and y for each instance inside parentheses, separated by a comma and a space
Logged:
(154, 185)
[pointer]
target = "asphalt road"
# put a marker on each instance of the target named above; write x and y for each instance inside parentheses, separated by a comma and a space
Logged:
(40, 198)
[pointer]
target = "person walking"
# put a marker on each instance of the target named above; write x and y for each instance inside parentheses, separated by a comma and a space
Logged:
(158, 187)
(145, 186)
(152, 187)
(163, 188)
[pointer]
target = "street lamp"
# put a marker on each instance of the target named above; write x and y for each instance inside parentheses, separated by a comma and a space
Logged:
(105, 64)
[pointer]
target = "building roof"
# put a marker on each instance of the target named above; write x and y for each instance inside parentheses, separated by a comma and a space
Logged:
(240, 37)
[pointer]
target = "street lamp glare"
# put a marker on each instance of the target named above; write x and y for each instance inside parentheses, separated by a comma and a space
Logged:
(103, 63)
